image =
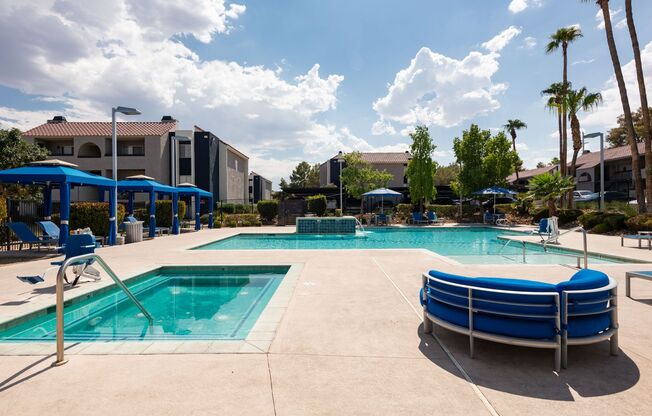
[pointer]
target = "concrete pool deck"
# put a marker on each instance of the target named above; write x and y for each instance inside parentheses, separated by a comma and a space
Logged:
(349, 341)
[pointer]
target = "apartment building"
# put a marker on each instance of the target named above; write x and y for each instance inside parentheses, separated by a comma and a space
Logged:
(392, 162)
(147, 148)
(260, 188)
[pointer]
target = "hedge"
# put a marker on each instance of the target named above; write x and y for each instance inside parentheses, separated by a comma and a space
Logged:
(642, 222)
(241, 220)
(268, 209)
(450, 211)
(600, 222)
(163, 213)
(3, 210)
(230, 208)
(403, 211)
(94, 215)
(565, 216)
(317, 204)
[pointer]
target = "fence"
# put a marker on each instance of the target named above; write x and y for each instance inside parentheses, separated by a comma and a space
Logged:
(29, 212)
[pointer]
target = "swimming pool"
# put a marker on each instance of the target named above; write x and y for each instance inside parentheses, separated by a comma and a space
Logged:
(469, 245)
(186, 302)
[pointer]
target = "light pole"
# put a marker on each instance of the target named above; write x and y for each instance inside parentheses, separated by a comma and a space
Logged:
(340, 160)
(601, 136)
(113, 203)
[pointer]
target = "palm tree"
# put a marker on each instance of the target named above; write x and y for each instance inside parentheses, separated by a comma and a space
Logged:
(646, 115)
(555, 94)
(511, 127)
(548, 187)
(576, 101)
(561, 39)
(627, 112)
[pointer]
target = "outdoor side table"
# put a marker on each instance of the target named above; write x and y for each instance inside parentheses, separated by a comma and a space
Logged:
(646, 275)
(133, 231)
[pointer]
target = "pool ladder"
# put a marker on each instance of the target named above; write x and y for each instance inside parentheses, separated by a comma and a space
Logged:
(544, 244)
(72, 261)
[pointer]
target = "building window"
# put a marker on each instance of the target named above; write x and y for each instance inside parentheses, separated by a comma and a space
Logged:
(185, 150)
(89, 150)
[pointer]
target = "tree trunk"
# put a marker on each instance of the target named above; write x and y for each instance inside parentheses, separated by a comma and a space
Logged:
(564, 160)
(631, 134)
(552, 209)
(561, 149)
(513, 134)
(577, 146)
(644, 106)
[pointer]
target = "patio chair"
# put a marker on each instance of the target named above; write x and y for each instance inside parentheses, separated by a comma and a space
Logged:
(77, 245)
(548, 230)
(417, 218)
(432, 218)
(50, 229)
(381, 219)
(26, 236)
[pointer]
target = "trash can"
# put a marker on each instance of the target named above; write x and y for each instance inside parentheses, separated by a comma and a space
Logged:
(133, 231)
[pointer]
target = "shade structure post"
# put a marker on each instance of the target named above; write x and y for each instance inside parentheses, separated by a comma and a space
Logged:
(175, 213)
(100, 193)
(152, 214)
(210, 212)
(47, 202)
(113, 226)
(64, 212)
(130, 203)
(197, 212)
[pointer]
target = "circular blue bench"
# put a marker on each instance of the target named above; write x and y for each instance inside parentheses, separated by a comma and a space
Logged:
(582, 310)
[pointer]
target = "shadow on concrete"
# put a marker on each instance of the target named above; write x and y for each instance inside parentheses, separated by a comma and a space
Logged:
(529, 372)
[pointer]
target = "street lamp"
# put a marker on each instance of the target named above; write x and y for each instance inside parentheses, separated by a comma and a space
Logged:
(601, 136)
(340, 160)
(113, 204)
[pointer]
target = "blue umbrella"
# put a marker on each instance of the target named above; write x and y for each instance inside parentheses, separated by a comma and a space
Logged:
(383, 193)
(495, 190)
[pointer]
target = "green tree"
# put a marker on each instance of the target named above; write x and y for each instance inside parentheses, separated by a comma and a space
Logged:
(445, 175)
(576, 101)
(617, 136)
(541, 165)
(421, 168)
(554, 161)
(358, 176)
(305, 175)
(624, 101)
(16, 152)
(283, 184)
(511, 127)
(484, 160)
(562, 38)
(548, 187)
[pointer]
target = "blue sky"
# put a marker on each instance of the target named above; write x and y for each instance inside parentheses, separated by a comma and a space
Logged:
(286, 81)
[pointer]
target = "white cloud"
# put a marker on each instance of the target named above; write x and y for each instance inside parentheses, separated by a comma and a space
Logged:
(520, 146)
(498, 42)
(436, 89)
(613, 13)
(517, 6)
(583, 61)
(605, 116)
(380, 127)
(89, 56)
(530, 42)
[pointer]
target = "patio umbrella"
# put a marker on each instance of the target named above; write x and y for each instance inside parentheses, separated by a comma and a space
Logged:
(383, 193)
(494, 190)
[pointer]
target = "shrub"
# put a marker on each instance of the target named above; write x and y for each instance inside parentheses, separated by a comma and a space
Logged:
(240, 209)
(203, 219)
(591, 219)
(523, 204)
(569, 215)
(615, 221)
(601, 228)
(241, 220)
(164, 212)
(317, 204)
(538, 214)
(227, 208)
(142, 214)
(268, 209)
(3, 210)
(338, 212)
(403, 211)
(505, 208)
(94, 215)
(642, 222)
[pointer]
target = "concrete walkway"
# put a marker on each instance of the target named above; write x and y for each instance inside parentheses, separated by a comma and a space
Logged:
(349, 342)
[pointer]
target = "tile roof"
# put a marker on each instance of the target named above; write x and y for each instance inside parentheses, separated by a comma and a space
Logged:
(100, 128)
(589, 160)
(530, 173)
(384, 157)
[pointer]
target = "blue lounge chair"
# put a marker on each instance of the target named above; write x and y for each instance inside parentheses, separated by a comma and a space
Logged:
(77, 245)
(432, 218)
(381, 219)
(581, 310)
(639, 237)
(417, 218)
(26, 236)
(548, 230)
(50, 229)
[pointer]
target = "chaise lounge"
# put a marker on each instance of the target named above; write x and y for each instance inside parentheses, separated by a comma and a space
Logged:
(582, 310)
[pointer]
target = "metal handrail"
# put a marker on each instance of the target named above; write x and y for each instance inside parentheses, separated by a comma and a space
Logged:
(59, 296)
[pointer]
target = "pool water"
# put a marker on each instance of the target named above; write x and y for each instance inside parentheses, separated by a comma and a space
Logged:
(469, 245)
(185, 304)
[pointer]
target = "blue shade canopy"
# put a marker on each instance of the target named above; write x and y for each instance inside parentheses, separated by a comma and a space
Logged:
(495, 190)
(144, 185)
(52, 174)
(383, 192)
(193, 190)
